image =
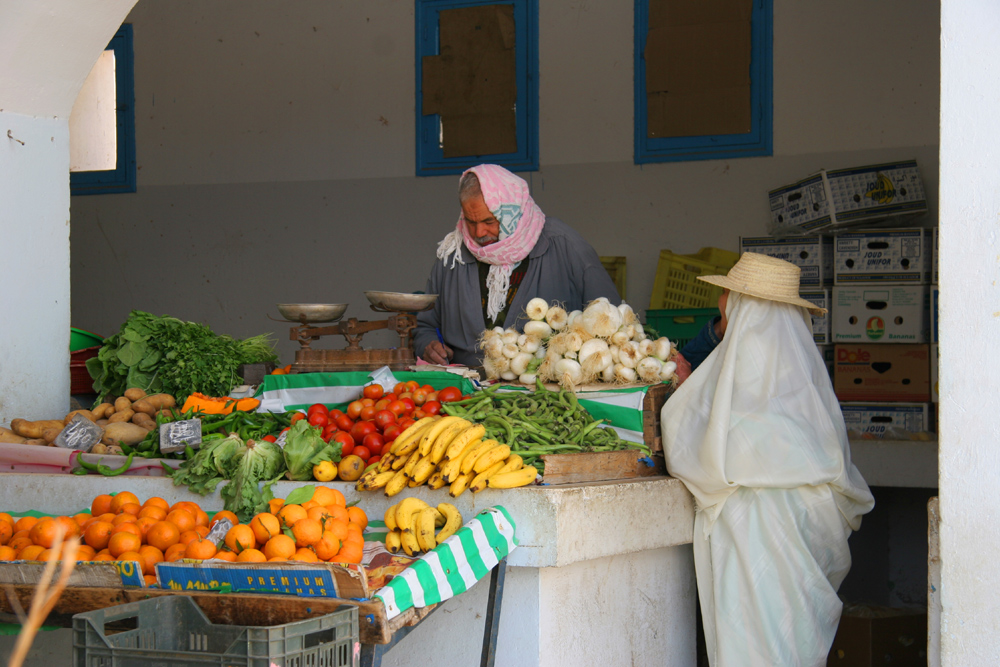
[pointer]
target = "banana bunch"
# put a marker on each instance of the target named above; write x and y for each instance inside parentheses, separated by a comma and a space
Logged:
(412, 524)
(447, 451)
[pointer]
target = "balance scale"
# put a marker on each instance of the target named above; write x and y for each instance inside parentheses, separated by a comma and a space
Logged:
(403, 320)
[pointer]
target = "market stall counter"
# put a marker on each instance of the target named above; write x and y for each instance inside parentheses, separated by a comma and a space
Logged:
(603, 572)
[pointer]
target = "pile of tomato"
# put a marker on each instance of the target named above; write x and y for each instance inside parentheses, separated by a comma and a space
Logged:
(368, 425)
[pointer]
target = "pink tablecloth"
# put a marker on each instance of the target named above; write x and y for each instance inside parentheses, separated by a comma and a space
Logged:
(55, 460)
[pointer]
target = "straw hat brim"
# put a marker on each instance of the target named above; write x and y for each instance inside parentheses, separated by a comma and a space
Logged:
(732, 285)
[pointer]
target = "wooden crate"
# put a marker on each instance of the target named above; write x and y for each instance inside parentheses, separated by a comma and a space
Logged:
(600, 466)
(656, 396)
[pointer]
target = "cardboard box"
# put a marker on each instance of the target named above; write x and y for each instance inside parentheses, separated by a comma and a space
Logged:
(935, 293)
(847, 197)
(812, 254)
(828, 352)
(882, 373)
(820, 323)
(881, 314)
(868, 636)
(888, 256)
(885, 420)
(299, 579)
(935, 362)
(89, 574)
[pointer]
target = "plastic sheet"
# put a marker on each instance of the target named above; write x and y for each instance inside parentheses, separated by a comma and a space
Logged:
(55, 460)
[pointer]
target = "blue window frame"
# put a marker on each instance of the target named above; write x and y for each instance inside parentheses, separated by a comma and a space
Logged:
(431, 159)
(756, 142)
(122, 178)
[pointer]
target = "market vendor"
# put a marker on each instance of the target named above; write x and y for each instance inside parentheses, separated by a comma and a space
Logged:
(503, 252)
(756, 435)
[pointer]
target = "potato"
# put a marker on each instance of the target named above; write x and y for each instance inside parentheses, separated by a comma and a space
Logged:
(134, 394)
(102, 422)
(102, 410)
(28, 429)
(6, 435)
(151, 404)
(123, 432)
(50, 434)
(99, 448)
(144, 420)
(86, 413)
(121, 416)
(36, 441)
(122, 404)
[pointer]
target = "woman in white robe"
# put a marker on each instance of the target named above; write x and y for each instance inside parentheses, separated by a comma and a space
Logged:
(757, 436)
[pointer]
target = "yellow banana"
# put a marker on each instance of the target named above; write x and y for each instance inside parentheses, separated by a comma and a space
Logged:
(403, 460)
(424, 523)
(380, 480)
(497, 454)
(444, 440)
(396, 484)
(415, 458)
(510, 480)
(436, 481)
(365, 479)
(409, 542)
(478, 482)
(458, 444)
(470, 458)
(385, 463)
(404, 510)
(439, 519)
(514, 462)
(413, 433)
(453, 521)
(390, 518)
(453, 468)
(392, 543)
(408, 448)
(460, 484)
(431, 434)
(422, 470)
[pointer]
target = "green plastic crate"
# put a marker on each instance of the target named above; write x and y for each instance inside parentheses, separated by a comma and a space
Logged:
(173, 630)
(679, 325)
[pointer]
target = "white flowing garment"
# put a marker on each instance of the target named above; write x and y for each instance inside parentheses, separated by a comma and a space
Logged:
(757, 436)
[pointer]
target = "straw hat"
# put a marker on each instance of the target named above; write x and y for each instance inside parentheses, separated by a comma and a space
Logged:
(765, 278)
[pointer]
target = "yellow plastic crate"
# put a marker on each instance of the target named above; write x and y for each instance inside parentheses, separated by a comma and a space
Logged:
(615, 266)
(677, 284)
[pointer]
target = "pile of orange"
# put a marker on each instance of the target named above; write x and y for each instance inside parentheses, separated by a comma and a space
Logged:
(121, 528)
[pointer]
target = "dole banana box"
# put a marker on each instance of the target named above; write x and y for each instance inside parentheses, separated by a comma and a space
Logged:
(888, 256)
(820, 323)
(881, 314)
(882, 373)
(847, 197)
(812, 254)
(884, 420)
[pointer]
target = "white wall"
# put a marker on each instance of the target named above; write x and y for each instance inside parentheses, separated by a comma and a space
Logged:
(969, 333)
(276, 151)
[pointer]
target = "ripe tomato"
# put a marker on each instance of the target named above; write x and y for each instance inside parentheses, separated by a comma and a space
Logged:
(419, 414)
(319, 419)
(449, 394)
(329, 430)
(427, 389)
(367, 413)
(391, 396)
(271, 438)
(298, 416)
(361, 429)
(399, 388)
(431, 407)
(391, 432)
(406, 394)
(373, 391)
(363, 452)
(432, 396)
(354, 409)
(346, 442)
(384, 418)
(405, 423)
(374, 459)
(419, 396)
(397, 408)
(381, 403)
(316, 407)
(344, 423)
(408, 402)
(411, 385)
(367, 401)
(374, 443)
(335, 413)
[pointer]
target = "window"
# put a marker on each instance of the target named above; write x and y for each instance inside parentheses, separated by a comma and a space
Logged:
(477, 85)
(702, 79)
(102, 124)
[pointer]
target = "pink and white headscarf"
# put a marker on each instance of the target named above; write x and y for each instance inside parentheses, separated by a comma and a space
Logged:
(521, 221)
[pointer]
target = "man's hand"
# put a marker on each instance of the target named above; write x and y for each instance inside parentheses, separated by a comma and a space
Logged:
(438, 353)
(683, 368)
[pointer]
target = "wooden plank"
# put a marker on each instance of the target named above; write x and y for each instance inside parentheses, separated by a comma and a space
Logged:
(598, 466)
(230, 609)
(652, 404)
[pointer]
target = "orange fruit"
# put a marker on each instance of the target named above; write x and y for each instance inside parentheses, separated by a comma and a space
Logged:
(277, 559)
(123, 542)
(18, 543)
(338, 527)
(98, 534)
(30, 552)
(306, 555)
(4, 516)
(251, 556)
(338, 512)
(154, 512)
(279, 371)
(6, 532)
(151, 580)
(124, 518)
(189, 536)
(186, 505)
(150, 557)
(45, 555)
(328, 546)
(107, 516)
(318, 513)
(264, 527)
(358, 516)
(43, 533)
(6, 553)
(279, 545)
(327, 496)
(82, 518)
(240, 537)
(156, 501)
(25, 523)
(307, 532)
(120, 499)
(144, 524)
(202, 530)
(200, 549)
(133, 556)
(275, 504)
(70, 525)
(176, 552)
(201, 518)
(85, 552)
(181, 518)
(102, 555)
(127, 528)
(350, 553)
(163, 535)
(289, 514)
(355, 538)
(131, 508)
(101, 504)
(224, 514)
(309, 504)
(226, 554)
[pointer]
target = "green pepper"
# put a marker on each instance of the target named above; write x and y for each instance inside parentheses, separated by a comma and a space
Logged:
(108, 472)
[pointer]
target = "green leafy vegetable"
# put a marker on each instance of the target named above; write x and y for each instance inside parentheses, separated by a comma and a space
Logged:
(216, 461)
(304, 448)
(261, 462)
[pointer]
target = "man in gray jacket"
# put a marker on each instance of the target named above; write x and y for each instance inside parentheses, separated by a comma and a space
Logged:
(503, 253)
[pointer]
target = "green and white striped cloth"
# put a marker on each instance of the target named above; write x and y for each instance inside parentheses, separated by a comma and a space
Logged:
(621, 407)
(454, 565)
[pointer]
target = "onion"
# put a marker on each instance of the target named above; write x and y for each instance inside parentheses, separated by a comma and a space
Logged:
(628, 354)
(624, 374)
(528, 343)
(509, 376)
(537, 328)
(569, 354)
(569, 373)
(646, 347)
(608, 374)
(638, 333)
(620, 337)
(519, 364)
(661, 348)
(510, 336)
(628, 315)
(510, 350)
(574, 342)
(592, 346)
(540, 352)
(556, 317)
(601, 318)
(527, 378)
(667, 371)
(648, 369)
(493, 346)
(596, 362)
(573, 317)
(614, 349)
(536, 308)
